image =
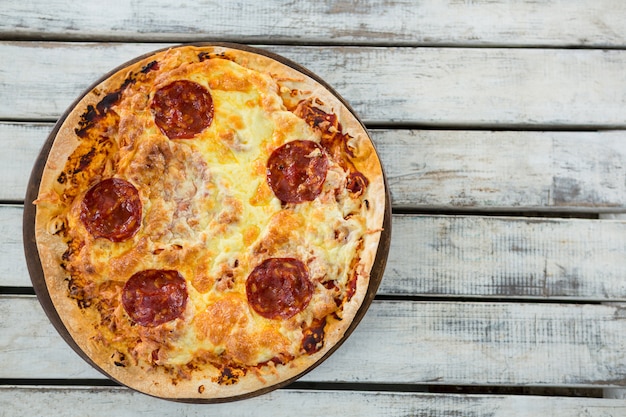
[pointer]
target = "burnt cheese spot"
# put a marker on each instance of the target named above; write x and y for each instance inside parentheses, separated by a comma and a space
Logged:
(313, 336)
(150, 66)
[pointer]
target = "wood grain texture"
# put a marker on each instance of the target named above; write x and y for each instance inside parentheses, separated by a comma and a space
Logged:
(500, 170)
(475, 87)
(21, 143)
(402, 342)
(571, 259)
(479, 22)
(462, 256)
(13, 270)
(462, 67)
(443, 169)
(99, 401)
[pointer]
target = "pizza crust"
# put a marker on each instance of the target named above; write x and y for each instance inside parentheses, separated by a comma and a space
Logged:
(199, 385)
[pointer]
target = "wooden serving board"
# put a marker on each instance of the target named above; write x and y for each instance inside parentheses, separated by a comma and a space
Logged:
(37, 275)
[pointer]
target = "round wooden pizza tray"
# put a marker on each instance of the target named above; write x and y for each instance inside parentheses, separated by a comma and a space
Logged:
(34, 263)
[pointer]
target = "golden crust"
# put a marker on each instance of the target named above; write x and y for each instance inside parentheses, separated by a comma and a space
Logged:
(197, 382)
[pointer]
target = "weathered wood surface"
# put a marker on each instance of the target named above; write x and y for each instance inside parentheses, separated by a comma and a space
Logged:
(484, 170)
(402, 342)
(463, 68)
(599, 23)
(444, 169)
(477, 87)
(21, 143)
(462, 256)
(572, 259)
(98, 401)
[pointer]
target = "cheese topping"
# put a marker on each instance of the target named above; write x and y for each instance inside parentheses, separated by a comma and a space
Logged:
(209, 213)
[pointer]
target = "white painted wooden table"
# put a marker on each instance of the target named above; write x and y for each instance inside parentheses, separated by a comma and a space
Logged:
(502, 127)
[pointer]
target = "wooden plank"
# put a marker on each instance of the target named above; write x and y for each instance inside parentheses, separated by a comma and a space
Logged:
(13, 270)
(463, 256)
(615, 392)
(480, 22)
(74, 72)
(477, 87)
(402, 342)
(504, 170)
(21, 143)
(572, 259)
(443, 169)
(53, 401)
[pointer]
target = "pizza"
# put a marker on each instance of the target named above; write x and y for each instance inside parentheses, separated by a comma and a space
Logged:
(207, 222)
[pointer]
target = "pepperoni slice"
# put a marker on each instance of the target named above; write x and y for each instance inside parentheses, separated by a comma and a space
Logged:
(279, 288)
(112, 209)
(154, 296)
(297, 170)
(182, 109)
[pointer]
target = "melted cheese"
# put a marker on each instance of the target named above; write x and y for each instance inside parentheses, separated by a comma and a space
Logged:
(209, 213)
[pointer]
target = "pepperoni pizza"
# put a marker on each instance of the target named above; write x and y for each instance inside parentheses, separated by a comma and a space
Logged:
(207, 221)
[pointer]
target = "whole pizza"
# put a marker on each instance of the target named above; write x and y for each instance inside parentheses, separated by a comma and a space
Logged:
(207, 221)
